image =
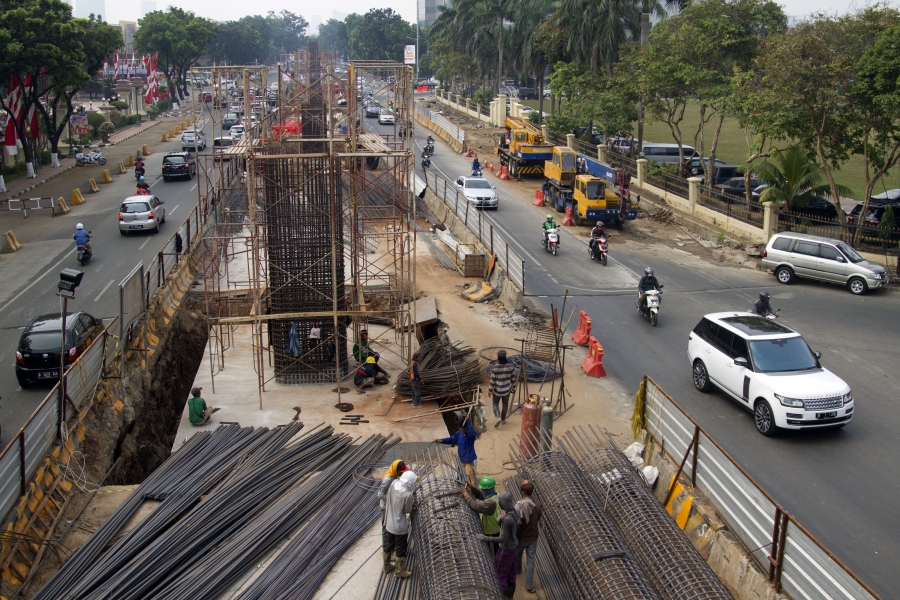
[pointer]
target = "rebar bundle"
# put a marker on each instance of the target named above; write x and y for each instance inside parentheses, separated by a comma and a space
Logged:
(453, 564)
(580, 535)
(676, 568)
(445, 370)
(536, 371)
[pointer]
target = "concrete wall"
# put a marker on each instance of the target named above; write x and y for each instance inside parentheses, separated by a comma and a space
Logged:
(440, 131)
(462, 105)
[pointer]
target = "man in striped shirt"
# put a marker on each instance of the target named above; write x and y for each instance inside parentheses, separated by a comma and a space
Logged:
(502, 385)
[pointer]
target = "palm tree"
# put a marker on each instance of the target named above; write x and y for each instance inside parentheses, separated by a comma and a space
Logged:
(792, 179)
(481, 19)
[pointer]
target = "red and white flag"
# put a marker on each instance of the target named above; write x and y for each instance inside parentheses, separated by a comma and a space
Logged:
(31, 119)
(154, 68)
(148, 94)
(14, 102)
(116, 65)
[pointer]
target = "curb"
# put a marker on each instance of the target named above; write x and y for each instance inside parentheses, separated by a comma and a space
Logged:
(135, 134)
(41, 182)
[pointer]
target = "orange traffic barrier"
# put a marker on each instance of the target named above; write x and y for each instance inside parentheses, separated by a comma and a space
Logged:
(504, 173)
(567, 220)
(593, 362)
(538, 198)
(468, 152)
(583, 332)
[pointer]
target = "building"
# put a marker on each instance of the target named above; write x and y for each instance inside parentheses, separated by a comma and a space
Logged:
(147, 6)
(127, 28)
(427, 11)
(86, 8)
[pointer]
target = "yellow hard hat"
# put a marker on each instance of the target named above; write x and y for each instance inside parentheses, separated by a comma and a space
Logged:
(370, 360)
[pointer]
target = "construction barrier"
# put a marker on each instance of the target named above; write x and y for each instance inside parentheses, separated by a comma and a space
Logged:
(61, 205)
(122, 168)
(593, 362)
(77, 197)
(567, 220)
(92, 184)
(504, 173)
(145, 151)
(10, 243)
(105, 177)
(165, 138)
(583, 332)
(538, 198)
(131, 160)
(171, 133)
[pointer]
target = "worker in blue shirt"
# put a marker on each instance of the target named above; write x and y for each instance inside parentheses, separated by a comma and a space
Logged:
(464, 438)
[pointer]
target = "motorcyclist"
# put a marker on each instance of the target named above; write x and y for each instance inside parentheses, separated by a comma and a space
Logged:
(596, 233)
(82, 238)
(648, 283)
(429, 141)
(548, 224)
(476, 167)
(762, 307)
(143, 189)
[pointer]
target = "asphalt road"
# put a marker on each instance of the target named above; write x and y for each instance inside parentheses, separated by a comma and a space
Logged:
(840, 484)
(114, 257)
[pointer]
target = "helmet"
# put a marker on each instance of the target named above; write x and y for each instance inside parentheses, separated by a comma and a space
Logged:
(79, 226)
(142, 178)
(764, 296)
(549, 217)
(648, 271)
(599, 223)
(370, 360)
(487, 482)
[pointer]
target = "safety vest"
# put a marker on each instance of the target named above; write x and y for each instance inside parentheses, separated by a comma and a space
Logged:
(491, 523)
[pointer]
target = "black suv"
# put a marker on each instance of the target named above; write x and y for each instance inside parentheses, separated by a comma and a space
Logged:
(37, 356)
(178, 164)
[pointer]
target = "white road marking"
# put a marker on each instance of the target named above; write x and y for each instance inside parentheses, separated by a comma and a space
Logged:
(171, 212)
(190, 190)
(106, 287)
(51, 269)
(141, 247)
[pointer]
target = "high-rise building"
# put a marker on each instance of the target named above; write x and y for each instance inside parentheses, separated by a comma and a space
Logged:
(147, 6)
(428, 10)
(86, 8)
(127, 28)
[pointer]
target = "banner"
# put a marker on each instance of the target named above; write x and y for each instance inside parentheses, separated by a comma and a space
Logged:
(409, 56)
(79, 124)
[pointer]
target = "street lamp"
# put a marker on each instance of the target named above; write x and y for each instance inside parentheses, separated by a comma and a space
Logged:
(69, 279)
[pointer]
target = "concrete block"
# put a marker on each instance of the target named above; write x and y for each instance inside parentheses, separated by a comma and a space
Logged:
(61, 205)
(9, 243)
(92, 185)
(105, 177)
(77, 197)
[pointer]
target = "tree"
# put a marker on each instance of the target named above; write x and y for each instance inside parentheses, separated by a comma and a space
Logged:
(381, 34)
(792, 178)
(605, 101)
(333, 37)
(180, 38)
(240, 42)
(478, 20)
(287, 31)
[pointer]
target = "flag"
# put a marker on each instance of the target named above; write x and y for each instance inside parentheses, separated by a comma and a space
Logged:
(31, 119)
(148, 94)
(116, 65)
(155, 69)
(14, 103)
(133, 66)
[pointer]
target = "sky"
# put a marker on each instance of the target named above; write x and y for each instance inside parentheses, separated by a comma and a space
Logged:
(129, 10)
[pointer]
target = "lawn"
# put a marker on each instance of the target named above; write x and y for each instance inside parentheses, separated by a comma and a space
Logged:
(733, 148)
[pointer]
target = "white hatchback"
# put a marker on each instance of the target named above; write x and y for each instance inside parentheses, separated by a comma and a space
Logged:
(770, 370)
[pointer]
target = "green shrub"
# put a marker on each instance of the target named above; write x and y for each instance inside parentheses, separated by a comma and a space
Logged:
(152, 110)
(95, 120)
(119, 104)
(107, 128)
(535, 117)
(164, 104)
(483, 96)
(114, 117)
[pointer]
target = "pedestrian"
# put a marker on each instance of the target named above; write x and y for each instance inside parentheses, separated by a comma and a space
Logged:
(505, 558)
(501, 385)
(397, 468)
(529, 512)
(415, 380)
(198, 412)
(483, 500)
(398, 505)
(464, 438)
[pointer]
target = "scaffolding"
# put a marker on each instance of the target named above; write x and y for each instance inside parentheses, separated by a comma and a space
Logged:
(314, 233)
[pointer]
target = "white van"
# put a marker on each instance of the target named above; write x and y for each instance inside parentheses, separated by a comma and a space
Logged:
(666, 153)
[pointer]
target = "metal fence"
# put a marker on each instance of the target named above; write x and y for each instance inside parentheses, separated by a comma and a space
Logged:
(794, 560)
(452, 130)
(735, 207)
(868, 235)
(46, 205)
(480, 227)
(27, 448)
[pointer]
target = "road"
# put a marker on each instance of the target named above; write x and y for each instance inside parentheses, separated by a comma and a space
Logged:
(840, 484)
(114, 257)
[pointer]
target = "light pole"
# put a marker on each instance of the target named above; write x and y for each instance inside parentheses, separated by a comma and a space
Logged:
(417, 42)
(69, 279)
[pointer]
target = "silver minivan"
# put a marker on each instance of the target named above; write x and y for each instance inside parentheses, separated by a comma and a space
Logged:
(666, 153)
(792, 255)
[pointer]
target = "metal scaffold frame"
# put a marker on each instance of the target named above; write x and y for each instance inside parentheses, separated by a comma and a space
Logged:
(315, 227)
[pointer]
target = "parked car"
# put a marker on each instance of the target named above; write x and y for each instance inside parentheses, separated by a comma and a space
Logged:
(478, 191)
(37, 355)
(816, 207)
(141, 213)
(735, 186)
(666, 153)
(178, 164)
(873, 219)
(229, 120)
(621, 144)
(193, 140)
(372, 110)
(385, 117)
(791, 255)
(770, 370)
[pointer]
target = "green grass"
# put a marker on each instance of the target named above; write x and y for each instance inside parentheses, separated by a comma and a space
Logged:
(733, 148)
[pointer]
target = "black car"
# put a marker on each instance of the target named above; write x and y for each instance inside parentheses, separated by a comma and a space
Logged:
(873, 219)
(817, 207)
(735, 186)
(372, 110)
(37, 356)
(178, 164)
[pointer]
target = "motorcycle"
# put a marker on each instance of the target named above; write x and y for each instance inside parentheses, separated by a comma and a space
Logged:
(84, 254)
(139, 172)
(429, 148)
(649, 309)
(426, 161)
(551, 241)
(476, 173)
(94, 157)
(599, 250)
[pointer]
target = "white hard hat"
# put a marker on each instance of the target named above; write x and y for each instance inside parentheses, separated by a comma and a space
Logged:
(79, 226)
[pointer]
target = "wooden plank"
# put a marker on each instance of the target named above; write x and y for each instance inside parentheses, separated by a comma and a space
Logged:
(310, 315)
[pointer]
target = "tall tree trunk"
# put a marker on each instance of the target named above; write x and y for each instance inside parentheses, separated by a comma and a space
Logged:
(500, 50)
(540, 93)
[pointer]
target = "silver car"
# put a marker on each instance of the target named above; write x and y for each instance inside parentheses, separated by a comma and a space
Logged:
(791, 255)
(140, 213)
(478, 191)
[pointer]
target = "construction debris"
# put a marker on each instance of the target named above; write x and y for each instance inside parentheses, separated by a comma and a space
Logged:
(445, 370)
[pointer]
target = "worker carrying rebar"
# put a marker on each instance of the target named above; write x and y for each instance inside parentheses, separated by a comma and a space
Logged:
(362, 350)
(529, 512)
(415, 380)
(506, 557)
(464, 439)
(483, 500)
(397, 468)
(502, 385)
(398, 505)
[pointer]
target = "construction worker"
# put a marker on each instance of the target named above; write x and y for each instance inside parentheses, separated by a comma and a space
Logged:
(464, 438)
(415, 380)
(501, 385)
(365, 375)
(397, 468)
(198, 412)
(398, 505)
(362, 350)
(483, 500)
(529, 513)
(505, 558)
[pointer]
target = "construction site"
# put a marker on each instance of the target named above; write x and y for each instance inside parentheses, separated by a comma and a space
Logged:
(311, 252)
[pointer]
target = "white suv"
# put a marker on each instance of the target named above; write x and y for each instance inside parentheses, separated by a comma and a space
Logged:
(770, 370)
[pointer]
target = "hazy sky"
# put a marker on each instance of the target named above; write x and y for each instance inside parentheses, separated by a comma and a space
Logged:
(129, 10)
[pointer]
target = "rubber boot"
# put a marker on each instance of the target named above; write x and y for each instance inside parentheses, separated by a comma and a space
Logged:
(388, 564)
(401, 571)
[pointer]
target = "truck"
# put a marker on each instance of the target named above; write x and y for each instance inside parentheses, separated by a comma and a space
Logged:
(598, 193)
(524, 151)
